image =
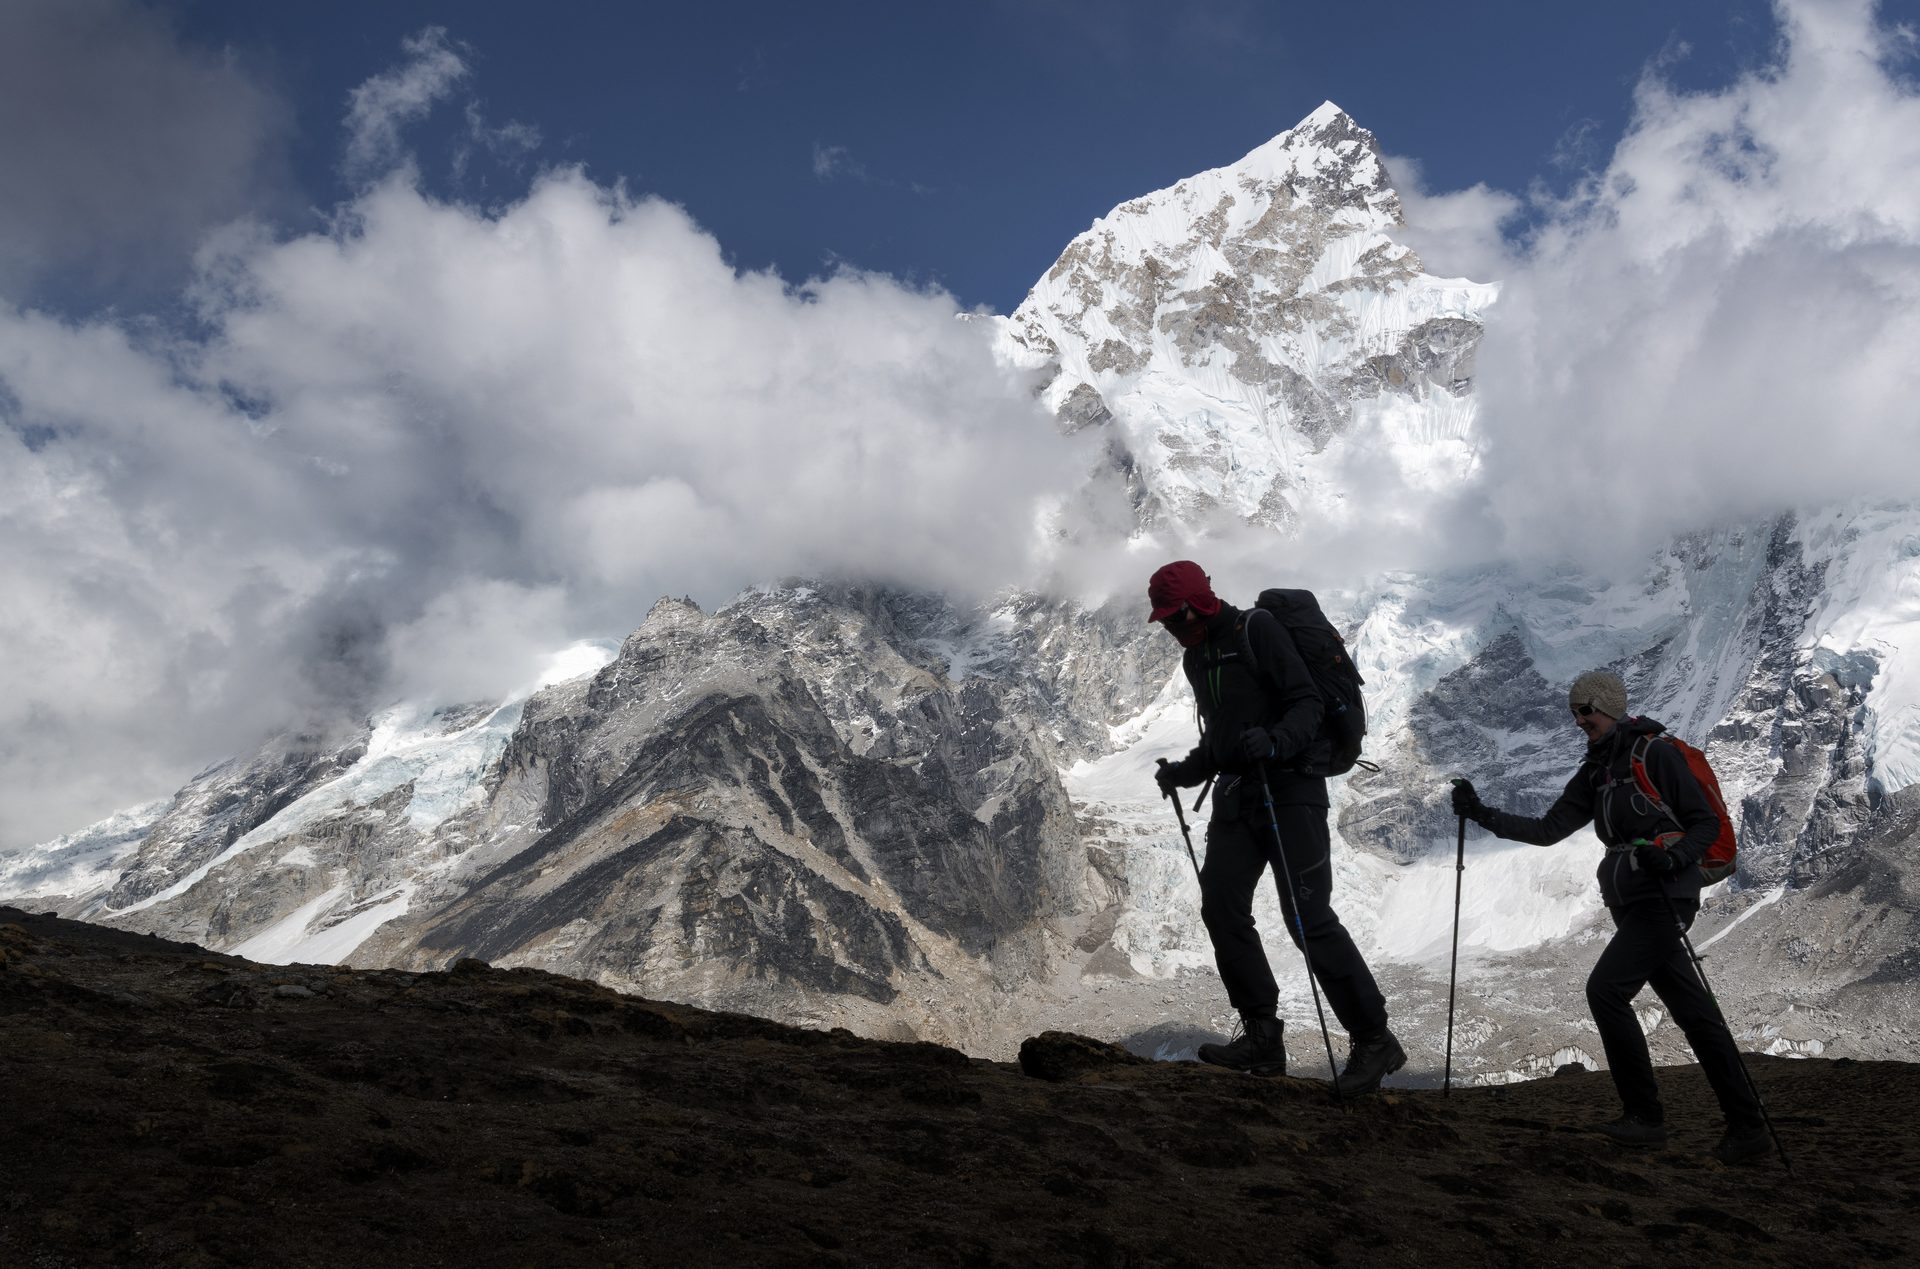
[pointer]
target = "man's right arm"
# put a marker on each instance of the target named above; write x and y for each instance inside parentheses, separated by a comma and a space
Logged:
(1572, 812)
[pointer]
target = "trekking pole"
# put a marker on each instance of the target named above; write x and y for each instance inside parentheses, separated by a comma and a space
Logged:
(1459, 877)
(1700, 972)
(1179, 814)
(1293, 901)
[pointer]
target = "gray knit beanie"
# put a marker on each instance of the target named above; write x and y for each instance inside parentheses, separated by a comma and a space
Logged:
(1604, 691)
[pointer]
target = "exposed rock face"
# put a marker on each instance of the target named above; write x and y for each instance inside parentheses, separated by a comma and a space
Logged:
(228, 801)
(713, 829)
(1728, 667)
(1493, 715)
(1797, 728)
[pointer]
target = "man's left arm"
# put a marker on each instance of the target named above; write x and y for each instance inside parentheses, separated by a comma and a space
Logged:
(1297, 705)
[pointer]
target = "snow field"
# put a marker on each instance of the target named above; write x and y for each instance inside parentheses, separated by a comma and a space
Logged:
(1514, 896)
(80, 863)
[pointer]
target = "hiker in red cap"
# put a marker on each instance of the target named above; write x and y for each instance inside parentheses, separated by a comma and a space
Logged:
(1261, 722)
(1179, 585)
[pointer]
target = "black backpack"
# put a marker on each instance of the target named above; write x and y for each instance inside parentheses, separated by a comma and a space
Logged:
(1344, 724)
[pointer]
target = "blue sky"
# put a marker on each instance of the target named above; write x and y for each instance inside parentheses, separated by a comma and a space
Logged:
(955, 144)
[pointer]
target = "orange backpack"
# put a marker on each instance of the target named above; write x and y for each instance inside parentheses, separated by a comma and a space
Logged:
(1717, 863)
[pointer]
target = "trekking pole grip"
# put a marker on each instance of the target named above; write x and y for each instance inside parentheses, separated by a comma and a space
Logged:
(1185, 836)
(1170, 794)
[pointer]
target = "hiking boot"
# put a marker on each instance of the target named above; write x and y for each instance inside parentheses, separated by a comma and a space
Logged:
(1368, 1062)
(1261, 1050)
(1743, 1143)
(1634, 1130)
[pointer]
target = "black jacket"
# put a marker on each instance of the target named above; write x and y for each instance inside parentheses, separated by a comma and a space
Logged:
(1275, 693)
(1603, 793)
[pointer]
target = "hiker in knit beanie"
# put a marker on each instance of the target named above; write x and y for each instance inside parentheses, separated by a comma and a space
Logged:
(1649, 878)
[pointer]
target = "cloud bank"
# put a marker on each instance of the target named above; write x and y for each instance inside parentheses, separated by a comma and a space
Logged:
(420, 452)
(1719, 323)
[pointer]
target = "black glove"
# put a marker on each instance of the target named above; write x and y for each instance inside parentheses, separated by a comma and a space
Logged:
(1256, 744)
(1175, 775)
(1467, 803)
(1657, 861)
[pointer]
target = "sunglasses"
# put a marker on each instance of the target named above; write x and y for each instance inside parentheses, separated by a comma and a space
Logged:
(1583, 710)
(1181, 618)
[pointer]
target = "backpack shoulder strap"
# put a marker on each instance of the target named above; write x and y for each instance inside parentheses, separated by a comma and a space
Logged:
(1260, 671)
(1645, 781)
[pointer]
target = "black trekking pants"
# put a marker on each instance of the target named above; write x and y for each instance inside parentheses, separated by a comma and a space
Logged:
(1239, 850)
(1646, 951)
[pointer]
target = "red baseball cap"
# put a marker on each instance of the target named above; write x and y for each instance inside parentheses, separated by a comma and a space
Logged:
(1181, 582)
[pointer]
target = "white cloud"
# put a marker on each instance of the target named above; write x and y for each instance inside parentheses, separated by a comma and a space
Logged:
(479, 638)
(380, 108)
(831, 160)
(1458, 233)
(1719, 323)
(421, 452)
(510, 144)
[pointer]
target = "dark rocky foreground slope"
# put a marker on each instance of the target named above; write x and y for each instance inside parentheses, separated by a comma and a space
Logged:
(163, 1105)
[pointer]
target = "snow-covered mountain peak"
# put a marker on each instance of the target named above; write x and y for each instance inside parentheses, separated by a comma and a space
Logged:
(1332, 153)
(1232, 325)
(1327, 159)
